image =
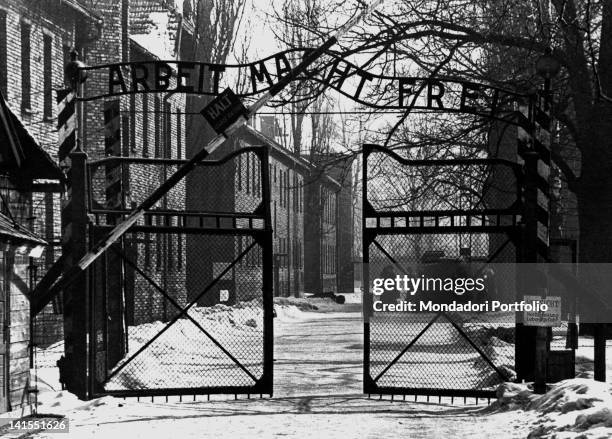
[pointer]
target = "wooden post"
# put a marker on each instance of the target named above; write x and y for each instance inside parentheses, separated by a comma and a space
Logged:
(527, 336)
(599, 337)
(74, 369)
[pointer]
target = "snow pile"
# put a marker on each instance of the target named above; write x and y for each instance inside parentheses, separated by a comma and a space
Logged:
(288, 313)
(501, 354)
(213, 346)
(497, 342)
(577, 408)
(299, 303)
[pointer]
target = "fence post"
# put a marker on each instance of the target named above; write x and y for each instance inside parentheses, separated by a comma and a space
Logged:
(599, 338)
(74, 367)
(531, 341)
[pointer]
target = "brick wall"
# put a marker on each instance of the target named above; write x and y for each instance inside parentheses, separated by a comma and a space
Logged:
(46, 24)
(287, 185)
(153, 126)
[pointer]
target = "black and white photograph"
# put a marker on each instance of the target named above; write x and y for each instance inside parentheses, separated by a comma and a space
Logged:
(306, 218)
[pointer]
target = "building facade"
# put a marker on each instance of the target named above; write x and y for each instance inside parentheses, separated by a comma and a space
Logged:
(308, 205)
(35, 40)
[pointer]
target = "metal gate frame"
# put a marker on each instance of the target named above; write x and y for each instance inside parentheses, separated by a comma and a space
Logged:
(514, 231)
(258, 227)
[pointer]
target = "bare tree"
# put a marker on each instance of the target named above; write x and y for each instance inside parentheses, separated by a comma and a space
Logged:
(498, 42)
(300, 95)
(217, 22)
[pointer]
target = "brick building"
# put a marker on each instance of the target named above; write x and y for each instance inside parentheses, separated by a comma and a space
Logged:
(35, 40)
(329, 190)
(311, 215)
(152, 125)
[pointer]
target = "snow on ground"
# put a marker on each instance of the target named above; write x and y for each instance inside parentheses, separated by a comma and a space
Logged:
(318, 393)
(318, 390)
(578, 408)
(184, 356)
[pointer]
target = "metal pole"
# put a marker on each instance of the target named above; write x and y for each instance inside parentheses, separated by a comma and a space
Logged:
(599, 337)
(102, 245)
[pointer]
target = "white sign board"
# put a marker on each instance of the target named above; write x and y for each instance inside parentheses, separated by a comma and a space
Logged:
(223, 295)
(550, 317)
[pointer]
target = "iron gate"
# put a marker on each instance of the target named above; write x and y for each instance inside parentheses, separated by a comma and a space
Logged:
(428, 217)
(182, 303)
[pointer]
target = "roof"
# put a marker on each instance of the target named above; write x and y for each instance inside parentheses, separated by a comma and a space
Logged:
(20, 155)
(16, 234)
(78, 6)
(154, 26)
(280, 151)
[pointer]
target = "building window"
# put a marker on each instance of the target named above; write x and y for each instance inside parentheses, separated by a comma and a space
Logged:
(47, 77)
(167, 130)
(158, 126)
(133, 123)
(280, 187)
(301, 195)
(257, 178)
(239, 160)
(179, 134)
(294, 190)
(145, 125)
(26, 74)
(274, 218)
(125, 141)
(248, 166)
(287, 189)
(66, 49)
(3, 52)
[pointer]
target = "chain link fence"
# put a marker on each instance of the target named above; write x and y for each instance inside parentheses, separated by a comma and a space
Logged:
(180, 304)
(448, 350)
(439, 218)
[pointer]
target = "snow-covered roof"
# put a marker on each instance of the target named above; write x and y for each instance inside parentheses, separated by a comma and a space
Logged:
(154, 26)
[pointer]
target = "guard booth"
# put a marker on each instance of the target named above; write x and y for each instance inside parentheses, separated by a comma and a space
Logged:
(24, 166)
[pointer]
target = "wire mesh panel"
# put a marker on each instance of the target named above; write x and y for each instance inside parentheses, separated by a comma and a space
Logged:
(182, 304)
(416, 226)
